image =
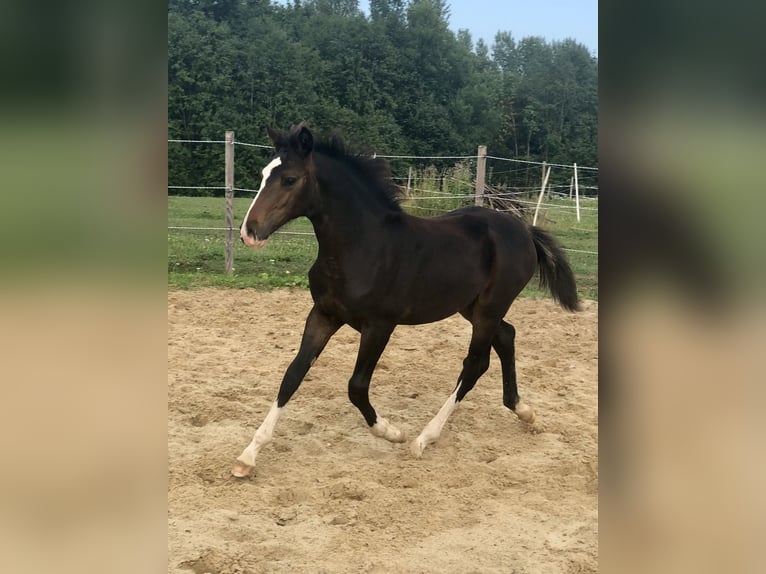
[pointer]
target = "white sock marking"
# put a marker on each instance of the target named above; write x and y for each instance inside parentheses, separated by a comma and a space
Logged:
(434, 428)
(266, 173)
(262, 436)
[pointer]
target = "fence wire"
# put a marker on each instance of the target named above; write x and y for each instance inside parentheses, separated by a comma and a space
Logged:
(434, 189)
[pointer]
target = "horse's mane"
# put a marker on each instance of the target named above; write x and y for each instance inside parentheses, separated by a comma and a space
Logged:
(376, 172)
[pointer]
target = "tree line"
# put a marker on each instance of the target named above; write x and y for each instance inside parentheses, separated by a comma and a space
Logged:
(398, 80)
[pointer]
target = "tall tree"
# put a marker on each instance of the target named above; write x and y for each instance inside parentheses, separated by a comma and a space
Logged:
(399, 80)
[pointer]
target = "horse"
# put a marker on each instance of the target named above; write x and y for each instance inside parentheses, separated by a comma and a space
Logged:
(378, 267)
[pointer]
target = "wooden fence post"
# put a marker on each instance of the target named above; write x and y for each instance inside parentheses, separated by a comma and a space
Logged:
(229, 183)
(542, 192)
(577, 193)
(481, 169)
(409, 182)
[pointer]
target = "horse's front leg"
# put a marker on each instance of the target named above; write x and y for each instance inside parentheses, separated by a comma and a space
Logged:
(374, 340)
(319, 329)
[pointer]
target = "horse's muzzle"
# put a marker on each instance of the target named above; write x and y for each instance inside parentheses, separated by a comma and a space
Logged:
(249, 238)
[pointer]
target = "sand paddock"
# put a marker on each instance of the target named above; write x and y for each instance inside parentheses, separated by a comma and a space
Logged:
(328, 497)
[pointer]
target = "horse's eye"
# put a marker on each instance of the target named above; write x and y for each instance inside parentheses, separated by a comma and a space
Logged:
(289, 181)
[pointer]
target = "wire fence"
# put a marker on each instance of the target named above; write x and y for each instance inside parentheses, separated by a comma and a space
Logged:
(411, 157)
(432, 185)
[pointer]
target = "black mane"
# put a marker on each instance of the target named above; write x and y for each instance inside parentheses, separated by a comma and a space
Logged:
(376, 172)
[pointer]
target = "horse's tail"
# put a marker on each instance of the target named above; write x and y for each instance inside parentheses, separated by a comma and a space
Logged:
(555, 273)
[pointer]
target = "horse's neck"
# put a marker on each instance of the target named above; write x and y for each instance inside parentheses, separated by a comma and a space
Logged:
(343, 227)
(344, 219)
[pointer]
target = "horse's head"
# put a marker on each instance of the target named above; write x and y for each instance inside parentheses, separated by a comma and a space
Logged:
(286, 188)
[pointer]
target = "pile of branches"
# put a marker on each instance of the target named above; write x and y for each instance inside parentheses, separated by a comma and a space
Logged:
(502, 199)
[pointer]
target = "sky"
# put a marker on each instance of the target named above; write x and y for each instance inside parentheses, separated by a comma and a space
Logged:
(551, 19)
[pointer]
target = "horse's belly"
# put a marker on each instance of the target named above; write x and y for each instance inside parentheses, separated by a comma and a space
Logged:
(423, 316)
(420, 304)
(422, 293)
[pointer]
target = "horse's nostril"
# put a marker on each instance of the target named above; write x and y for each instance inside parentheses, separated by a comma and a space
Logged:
(250, 232)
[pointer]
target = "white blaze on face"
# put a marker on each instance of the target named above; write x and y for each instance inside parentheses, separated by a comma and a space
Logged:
(266, 173)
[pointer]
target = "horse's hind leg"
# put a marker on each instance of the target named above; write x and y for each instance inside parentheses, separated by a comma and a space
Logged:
(373, 342)
(474, 366)
(504, 345)
(319, 329)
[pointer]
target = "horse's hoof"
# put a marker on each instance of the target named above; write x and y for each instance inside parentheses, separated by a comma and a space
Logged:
(525, 413)
(399, 436)
(384, 429)
(241, 470)
(417, 447)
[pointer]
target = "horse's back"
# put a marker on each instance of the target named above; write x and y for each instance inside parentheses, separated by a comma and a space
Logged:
(507, 230)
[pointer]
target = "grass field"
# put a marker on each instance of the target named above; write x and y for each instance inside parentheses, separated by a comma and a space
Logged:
(196, 258)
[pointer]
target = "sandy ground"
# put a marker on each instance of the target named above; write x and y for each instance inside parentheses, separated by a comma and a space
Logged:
(328, 497)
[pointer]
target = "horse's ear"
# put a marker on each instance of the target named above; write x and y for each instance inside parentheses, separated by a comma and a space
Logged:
(304, 141)
(278, 138)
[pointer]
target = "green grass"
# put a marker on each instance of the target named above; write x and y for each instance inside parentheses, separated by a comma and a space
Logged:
(196, 258)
